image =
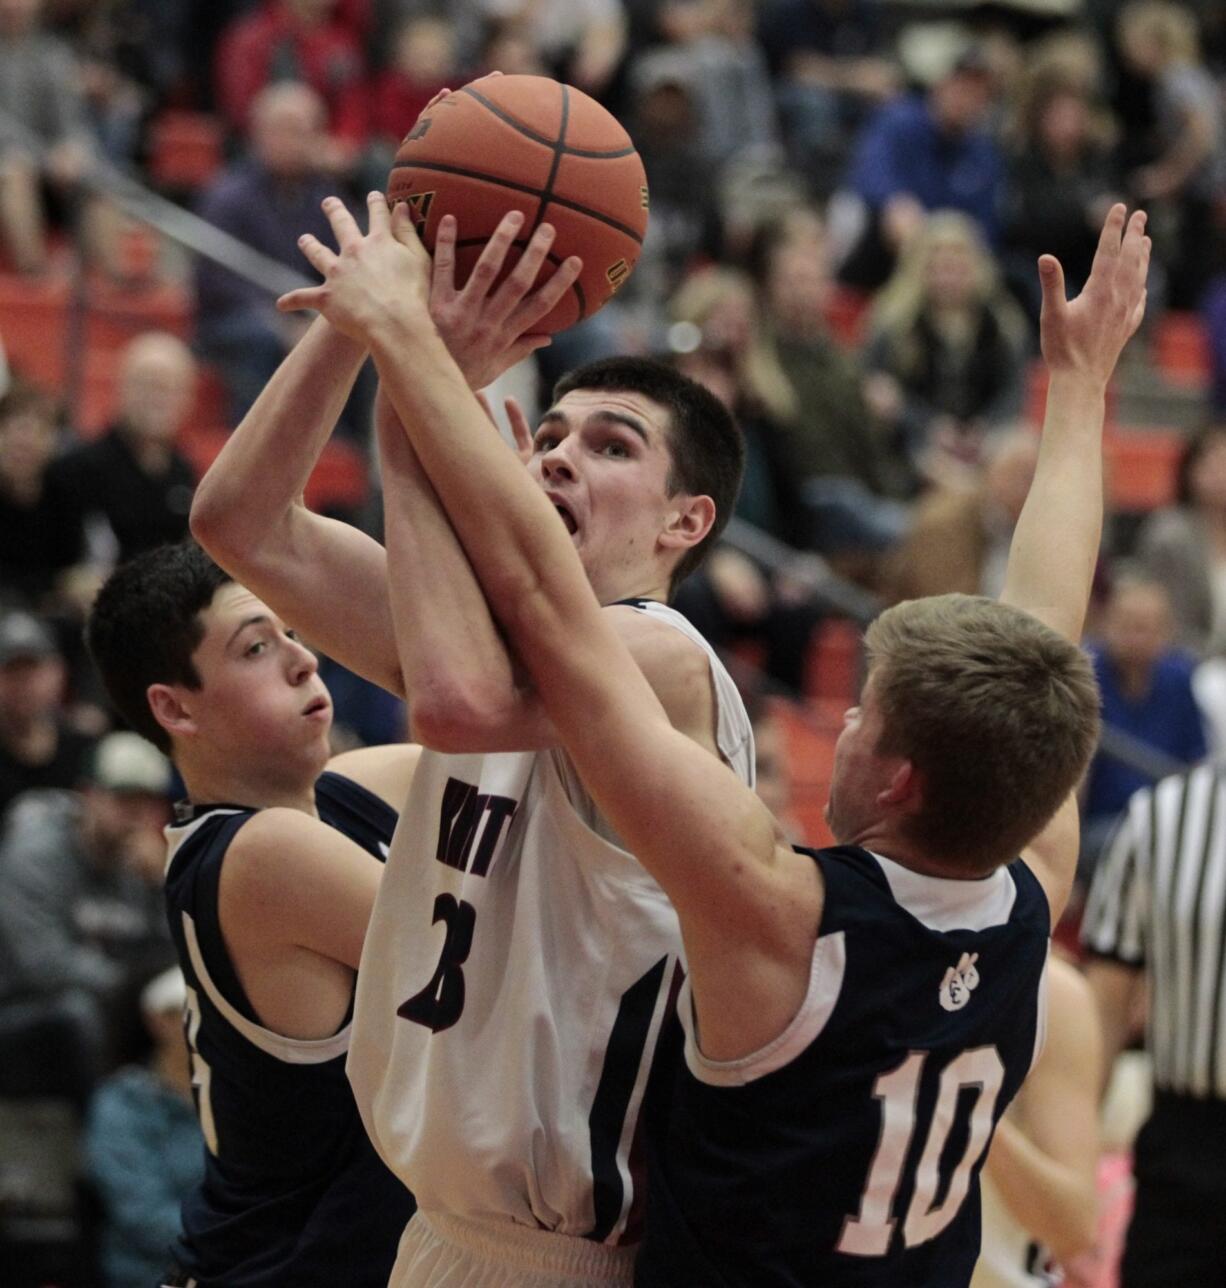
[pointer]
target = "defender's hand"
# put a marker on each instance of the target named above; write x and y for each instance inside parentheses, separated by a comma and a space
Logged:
(1084, 336)
(370, 279)
(489, 330)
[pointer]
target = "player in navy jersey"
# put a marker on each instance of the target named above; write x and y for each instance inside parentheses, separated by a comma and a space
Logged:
(274, 861)
(858, 1018)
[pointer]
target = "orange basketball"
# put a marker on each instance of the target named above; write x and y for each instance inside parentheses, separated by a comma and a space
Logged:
(531, 144)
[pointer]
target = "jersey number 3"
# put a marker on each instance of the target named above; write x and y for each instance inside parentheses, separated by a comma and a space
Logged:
(439, 1005)
(868, 1234)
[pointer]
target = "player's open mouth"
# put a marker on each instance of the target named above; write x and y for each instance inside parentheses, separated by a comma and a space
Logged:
(318, 707)
(567, 518)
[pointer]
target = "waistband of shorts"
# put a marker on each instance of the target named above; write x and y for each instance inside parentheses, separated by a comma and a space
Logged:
(522, 1247)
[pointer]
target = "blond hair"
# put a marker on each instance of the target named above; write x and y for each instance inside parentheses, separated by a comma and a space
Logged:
(998, 714)
(1169, 29)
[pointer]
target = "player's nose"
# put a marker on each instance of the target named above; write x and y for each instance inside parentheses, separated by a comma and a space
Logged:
(556, 462)
(302, 662)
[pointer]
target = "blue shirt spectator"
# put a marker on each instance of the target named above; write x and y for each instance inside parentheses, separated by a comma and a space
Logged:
(1146, 689)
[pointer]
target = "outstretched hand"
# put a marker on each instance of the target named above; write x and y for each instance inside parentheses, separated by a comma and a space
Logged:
(385, 274)
(1084, 336)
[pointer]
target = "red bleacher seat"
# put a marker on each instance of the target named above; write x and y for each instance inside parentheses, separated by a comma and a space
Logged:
(1180, 348)
(832, 670)
(1141, 467)
(33, 323)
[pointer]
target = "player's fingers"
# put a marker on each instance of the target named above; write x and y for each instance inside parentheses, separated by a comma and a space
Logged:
(404, 230)
(380, 219)
(438, 98)
(542, 302)
(316, 253)
(521, 430)
(444, 256)
(1051, 280)
(344, 225)
(306, 297)
(1132, 253)
(1110, 237)
(485, 406)
(523, 275)
(1138, 313)
(493, 256)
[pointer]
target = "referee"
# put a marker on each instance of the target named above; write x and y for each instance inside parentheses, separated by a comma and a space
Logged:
(1157, 915)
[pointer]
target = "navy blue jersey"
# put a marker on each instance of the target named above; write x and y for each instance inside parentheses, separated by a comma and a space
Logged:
(847, 1152)
(293, 1191)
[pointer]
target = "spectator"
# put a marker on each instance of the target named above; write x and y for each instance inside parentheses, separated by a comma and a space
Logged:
(134, 477)
(423, 62)
(1146, 687)
(924, 152)
(959, 541)
(833, 446)
(82, 921)
(300, 41)
(948, 347)
(1184, 180)
(38, 748)
(38, 542)
(1153, 924)
(143, 1149)
(39, 92)
(266, 199)
(1183, 546)
(830, 68)
(1058, 183)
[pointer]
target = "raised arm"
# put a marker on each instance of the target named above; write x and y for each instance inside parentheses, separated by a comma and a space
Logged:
(320, 574)
(749, 906)
(1055, 544)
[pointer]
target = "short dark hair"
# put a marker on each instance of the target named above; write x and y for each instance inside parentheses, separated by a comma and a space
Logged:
(706, 445)
(145, 625)
(998, 713)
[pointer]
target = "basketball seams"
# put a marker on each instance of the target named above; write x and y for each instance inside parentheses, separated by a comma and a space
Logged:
(499, 182)
(547, 191)
(528, 132)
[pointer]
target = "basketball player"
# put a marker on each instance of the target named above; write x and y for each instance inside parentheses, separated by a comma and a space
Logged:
(1040, 1203)
(857, 1018)
(274, 860)
(506, 1053)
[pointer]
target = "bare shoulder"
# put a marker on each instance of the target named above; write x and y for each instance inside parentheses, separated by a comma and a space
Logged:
(386, 770)
(676, 667)
(1070, 1001)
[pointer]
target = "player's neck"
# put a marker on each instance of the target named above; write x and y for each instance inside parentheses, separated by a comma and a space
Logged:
(882, 839)
(631, 584)
(207, 785)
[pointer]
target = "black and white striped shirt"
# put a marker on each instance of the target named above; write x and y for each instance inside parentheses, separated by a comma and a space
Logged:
(1158, 902)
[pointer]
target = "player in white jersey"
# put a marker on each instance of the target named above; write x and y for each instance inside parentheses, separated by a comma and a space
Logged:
(504, 1056)
(1040, 1205)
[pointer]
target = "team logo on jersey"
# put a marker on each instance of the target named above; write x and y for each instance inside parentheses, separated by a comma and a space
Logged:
(959, 982)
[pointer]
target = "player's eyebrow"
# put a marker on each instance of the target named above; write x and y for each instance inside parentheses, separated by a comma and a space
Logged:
(256, 619)
(554, 417)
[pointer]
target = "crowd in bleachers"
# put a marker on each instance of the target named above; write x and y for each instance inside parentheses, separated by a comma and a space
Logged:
(847, 202)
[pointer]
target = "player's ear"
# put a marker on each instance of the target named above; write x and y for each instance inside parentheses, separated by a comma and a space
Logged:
(166, 703)
(904, 790)
(689, 522)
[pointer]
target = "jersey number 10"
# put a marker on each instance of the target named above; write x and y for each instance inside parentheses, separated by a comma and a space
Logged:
(868, 1234)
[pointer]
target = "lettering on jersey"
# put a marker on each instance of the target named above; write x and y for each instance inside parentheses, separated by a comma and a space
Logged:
(959, 982)
(471, 825)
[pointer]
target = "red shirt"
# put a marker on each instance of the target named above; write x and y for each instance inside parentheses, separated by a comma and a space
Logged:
(397, 101)
(271, 45)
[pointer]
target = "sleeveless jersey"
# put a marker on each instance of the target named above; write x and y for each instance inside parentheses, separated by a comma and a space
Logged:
(1008, 1256)
(518, 980)
(847, 1151)
(293, 1192)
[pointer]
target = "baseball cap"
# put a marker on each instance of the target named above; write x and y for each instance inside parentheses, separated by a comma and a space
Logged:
(22, 635)
(125, 762)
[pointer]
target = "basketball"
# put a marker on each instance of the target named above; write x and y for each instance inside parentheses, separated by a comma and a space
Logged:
(532, 144)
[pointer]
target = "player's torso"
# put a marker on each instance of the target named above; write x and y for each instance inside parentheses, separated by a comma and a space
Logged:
(518, 980)
(847, 1153)
(290, 1180)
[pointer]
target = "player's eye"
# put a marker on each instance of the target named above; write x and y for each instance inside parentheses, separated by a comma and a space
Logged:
(544, 442)
(291, 634)
(615, 447)
(254, 650)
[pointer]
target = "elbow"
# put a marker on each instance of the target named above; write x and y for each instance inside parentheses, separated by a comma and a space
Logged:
(207, 520)
(453, 721)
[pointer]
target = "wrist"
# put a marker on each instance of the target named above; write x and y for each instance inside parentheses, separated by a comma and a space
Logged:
(396, 332)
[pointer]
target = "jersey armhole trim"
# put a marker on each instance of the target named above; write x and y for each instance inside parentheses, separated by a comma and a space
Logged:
(826, 971)
(287, 1050)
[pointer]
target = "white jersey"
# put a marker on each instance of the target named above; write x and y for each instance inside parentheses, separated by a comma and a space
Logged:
(1009, 1256)
(515, 983)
